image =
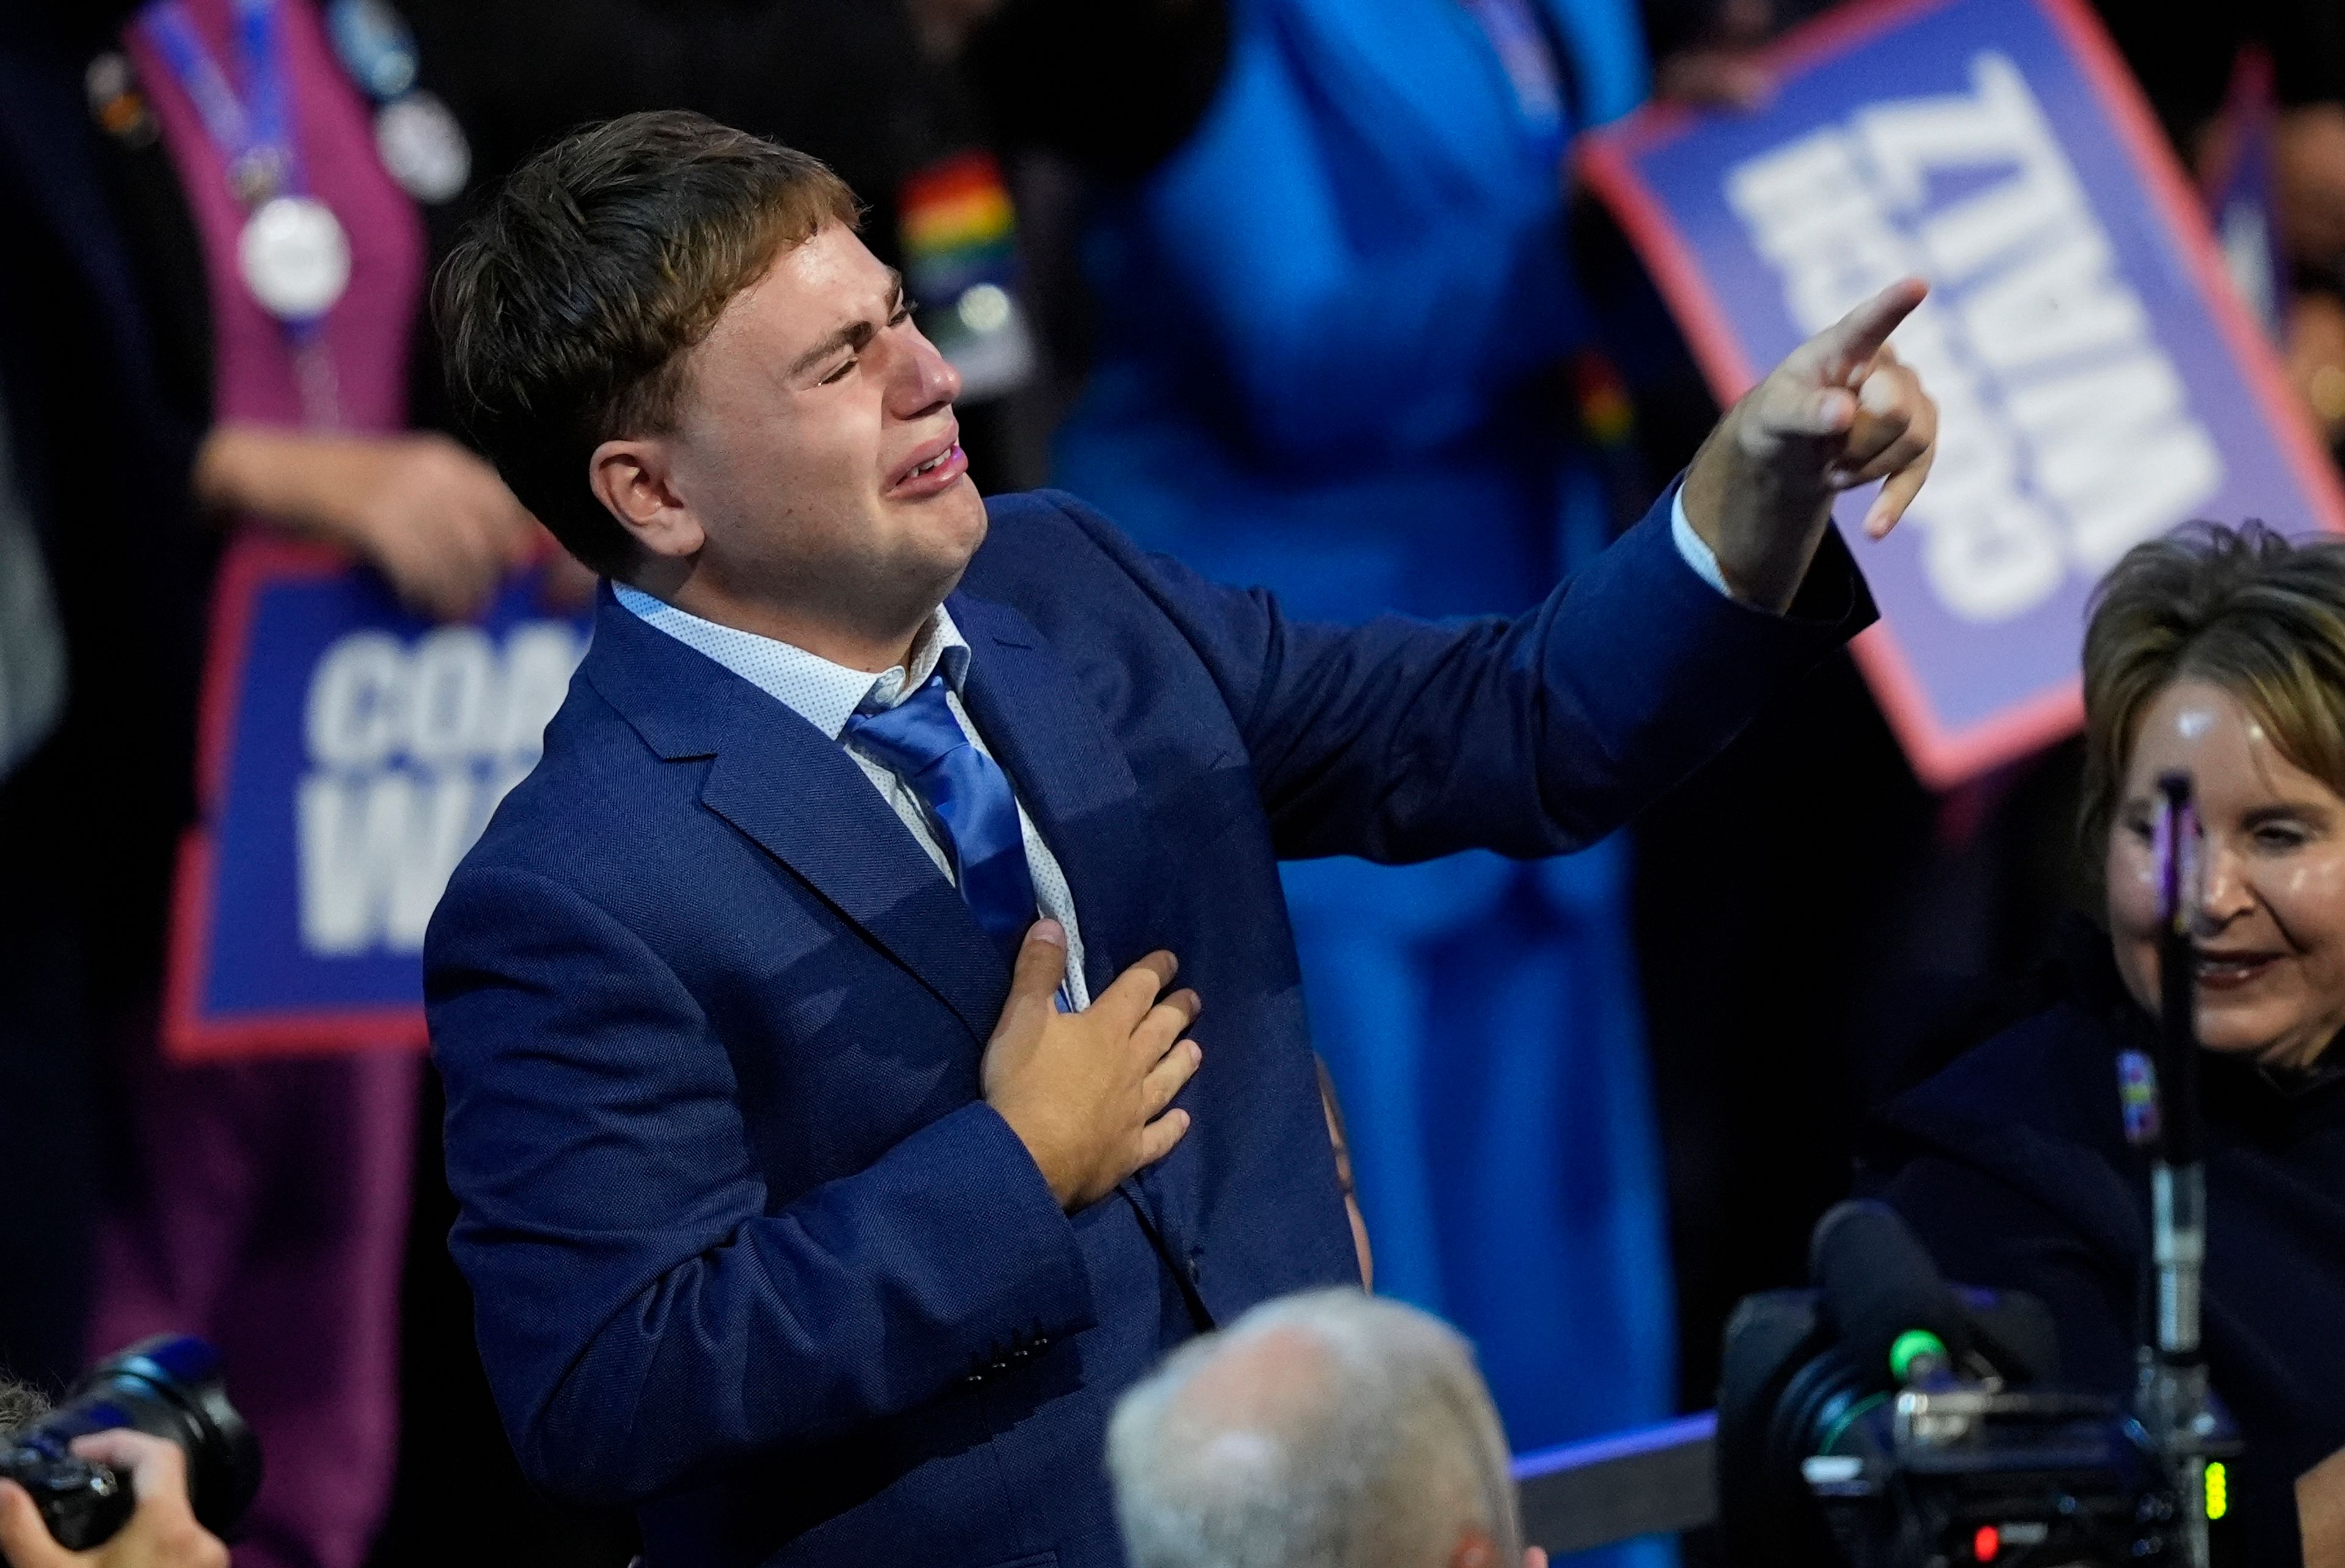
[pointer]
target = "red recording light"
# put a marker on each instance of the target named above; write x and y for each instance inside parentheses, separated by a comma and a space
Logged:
(1987, 1544)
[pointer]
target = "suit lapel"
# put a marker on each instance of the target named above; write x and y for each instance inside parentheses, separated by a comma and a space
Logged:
(1072, 777)
(800, 797)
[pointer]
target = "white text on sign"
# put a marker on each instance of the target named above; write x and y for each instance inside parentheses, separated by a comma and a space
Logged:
(2065, 436)
(411, 746)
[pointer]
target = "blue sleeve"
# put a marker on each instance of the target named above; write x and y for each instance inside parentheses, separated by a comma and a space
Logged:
(1329, 343)
(642, 1314)
(1402, 740)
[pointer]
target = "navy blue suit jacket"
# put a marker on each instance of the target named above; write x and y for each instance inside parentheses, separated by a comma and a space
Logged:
(750, 1252)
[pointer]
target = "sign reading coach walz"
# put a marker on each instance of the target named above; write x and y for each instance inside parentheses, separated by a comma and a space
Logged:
(2098, 380)
(351, 752)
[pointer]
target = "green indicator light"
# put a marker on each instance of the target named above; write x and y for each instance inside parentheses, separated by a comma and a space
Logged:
(2219, 1488)
(1911, 1344)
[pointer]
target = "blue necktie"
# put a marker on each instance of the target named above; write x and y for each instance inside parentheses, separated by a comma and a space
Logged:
(921, 742)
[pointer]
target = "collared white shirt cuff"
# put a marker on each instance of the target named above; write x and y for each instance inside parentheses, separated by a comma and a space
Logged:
(1694, 548)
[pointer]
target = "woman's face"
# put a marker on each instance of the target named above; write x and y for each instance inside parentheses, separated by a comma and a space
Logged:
(2270, 921)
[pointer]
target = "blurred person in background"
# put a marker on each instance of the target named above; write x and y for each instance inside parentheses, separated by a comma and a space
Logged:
(43, 1077)
(208, 305)
(1321, 1430)
(2218, 652)
(1333, 327)
(2273, 71)
(872, 87)
(32, 648)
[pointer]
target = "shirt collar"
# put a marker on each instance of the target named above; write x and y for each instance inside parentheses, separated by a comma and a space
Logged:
(823, 693)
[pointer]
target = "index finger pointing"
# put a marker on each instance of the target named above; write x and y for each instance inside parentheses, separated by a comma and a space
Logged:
(1851, 341)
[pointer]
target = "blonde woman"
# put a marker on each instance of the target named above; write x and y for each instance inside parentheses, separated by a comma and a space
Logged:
(2220, 653)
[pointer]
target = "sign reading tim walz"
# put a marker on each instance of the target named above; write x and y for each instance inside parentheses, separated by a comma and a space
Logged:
(2098, 380)
(352, 753)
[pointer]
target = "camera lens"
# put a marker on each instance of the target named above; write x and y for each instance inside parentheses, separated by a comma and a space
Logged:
(168, 1386)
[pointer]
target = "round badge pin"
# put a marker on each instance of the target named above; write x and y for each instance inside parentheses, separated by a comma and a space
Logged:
(295, 257)
(116, 102)
(377, 46)
(421, 145)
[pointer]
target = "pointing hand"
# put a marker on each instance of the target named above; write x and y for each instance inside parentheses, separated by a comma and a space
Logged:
(1841, 411)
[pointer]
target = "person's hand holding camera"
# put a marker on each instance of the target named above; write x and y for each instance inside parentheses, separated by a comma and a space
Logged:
(162, 1532)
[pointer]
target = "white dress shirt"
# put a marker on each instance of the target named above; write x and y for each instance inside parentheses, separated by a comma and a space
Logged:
(1696, 550)
(826, 695)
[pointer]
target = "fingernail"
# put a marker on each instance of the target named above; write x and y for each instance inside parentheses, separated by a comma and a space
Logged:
(1048, 930)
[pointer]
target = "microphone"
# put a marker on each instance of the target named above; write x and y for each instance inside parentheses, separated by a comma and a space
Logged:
(2173, 1397)
(1896, 1313)
(2177, 851)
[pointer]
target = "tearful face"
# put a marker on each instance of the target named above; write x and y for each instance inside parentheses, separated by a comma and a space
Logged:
(2270, 920)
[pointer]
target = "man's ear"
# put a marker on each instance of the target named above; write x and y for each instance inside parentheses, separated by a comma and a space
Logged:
(636, 481)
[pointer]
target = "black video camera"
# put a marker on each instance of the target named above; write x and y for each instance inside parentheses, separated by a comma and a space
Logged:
(168, 1386)
(1888, 1420)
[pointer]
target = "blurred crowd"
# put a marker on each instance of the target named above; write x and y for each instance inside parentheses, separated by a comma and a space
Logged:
(1290, 289)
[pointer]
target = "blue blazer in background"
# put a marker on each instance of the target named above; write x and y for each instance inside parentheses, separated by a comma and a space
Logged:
(1319, 320)
(749, 1251)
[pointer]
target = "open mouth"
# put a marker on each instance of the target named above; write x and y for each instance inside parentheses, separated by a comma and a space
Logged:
(936, 467)
(2222, 971)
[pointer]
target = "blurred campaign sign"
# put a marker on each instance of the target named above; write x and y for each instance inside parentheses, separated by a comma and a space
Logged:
(351, 752)
(2098, 379)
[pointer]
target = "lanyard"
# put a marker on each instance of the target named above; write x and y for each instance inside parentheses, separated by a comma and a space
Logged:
(292, 253)
(253, 132)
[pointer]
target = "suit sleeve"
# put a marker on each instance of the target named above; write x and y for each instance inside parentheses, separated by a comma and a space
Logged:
(646, 1314)
(1402, 740)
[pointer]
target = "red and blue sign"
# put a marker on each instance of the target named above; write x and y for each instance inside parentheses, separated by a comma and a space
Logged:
(2098, 379)
(351, 752)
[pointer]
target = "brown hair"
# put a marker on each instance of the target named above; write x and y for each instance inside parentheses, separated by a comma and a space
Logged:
(567, 310)
(2243, 608)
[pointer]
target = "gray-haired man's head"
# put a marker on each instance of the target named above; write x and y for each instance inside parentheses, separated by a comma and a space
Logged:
(1322, 1430)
